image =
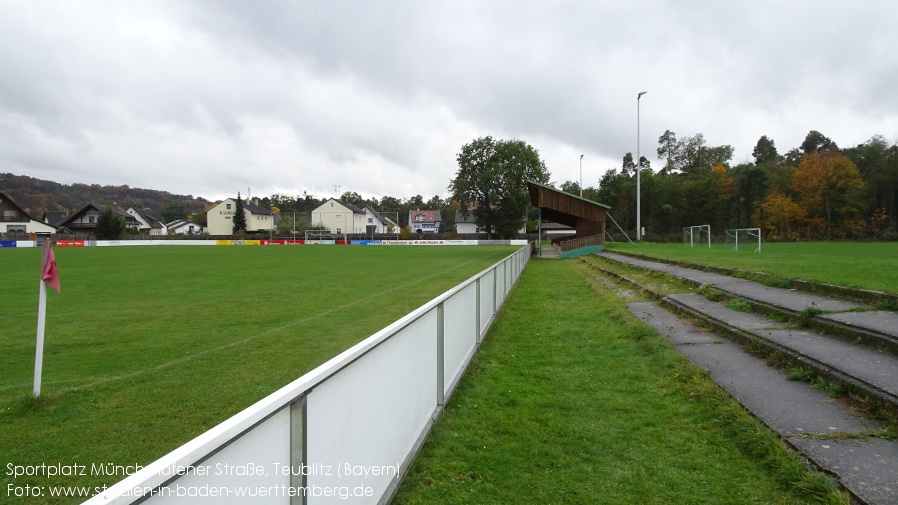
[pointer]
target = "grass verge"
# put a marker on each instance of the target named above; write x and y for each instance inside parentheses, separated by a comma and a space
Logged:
(572, 400)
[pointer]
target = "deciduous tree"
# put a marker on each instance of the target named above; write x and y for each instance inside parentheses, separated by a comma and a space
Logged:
(353, 198)
(491, 182)
(173, 211)
(765, 151)
(828, 185)
(780, 217)
(751, 185)
(816, 141)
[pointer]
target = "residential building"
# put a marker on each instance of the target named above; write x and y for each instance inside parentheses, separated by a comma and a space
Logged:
(375, 222)
(424, 221)
(53, 218)
(85, 220)
(220, 219)
(148, 224)
(14, 219)
(467, 224)
(340, 217)
(183, 227)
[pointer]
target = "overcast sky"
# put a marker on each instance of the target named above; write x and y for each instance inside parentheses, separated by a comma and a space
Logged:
(212, 97)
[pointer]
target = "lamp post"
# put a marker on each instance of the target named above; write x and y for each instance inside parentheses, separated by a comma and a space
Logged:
(638, 218)
(581, 176)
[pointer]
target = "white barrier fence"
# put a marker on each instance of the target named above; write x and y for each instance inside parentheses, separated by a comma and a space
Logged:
(205, 242)
(344, 432)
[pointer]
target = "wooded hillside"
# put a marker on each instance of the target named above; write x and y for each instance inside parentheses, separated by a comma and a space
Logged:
(37, 196)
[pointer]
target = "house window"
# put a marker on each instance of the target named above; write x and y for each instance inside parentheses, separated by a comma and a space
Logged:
(339, 217)
(91, 219)
(419, 217)
(332, 205)
(370, 220)
(228, 206)
(339, 231)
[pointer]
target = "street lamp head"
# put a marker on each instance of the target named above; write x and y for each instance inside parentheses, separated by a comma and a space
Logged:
(581, 156)
(640, 94)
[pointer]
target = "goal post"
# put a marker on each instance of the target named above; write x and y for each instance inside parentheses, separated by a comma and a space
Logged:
(746, 237)
(698, 234)
(323, 236)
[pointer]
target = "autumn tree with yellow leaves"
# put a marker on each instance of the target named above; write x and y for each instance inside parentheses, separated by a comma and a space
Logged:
(829, 186)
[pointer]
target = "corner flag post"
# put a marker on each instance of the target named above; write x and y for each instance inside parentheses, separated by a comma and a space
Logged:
(49, 275)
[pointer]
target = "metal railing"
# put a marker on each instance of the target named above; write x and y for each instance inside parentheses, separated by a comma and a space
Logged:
(346, 431)
(579, 243)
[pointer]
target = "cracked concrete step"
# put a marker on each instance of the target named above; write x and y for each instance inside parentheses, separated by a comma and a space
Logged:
(789, 299)
(874, 371)
(867, 467)
(877, 329)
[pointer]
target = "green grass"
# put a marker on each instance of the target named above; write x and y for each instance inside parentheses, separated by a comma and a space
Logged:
(870, 265)
(736, 304)
(572, 400)
(147, 348)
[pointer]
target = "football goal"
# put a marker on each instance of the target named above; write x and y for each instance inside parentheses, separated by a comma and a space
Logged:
(323, 237)
(698, 234)
(746, 237)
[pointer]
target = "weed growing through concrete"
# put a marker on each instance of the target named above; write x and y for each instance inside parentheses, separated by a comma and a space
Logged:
(800, 373)
(736, 304)
(805, 316)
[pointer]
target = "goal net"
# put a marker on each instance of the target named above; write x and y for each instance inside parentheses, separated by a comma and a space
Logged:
(744, 238)
(697, 235)
(323, 237)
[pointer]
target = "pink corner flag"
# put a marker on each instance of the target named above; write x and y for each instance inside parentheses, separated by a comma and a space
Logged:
(49, 272)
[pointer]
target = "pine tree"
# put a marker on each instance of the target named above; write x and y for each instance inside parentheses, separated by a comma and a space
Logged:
(239, 218)
(110, 225)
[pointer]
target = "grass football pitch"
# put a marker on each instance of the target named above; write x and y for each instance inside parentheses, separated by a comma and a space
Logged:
(869, 265)
(147, 347)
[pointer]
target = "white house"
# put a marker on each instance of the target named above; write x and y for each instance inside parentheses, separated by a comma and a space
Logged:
(466, 224)
(14, 219)
(340, 217)
(220, 219)
(183, 227)
(147, 222)
(375, 222)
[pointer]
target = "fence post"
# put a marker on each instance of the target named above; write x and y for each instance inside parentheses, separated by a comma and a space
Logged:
(495, 287)
(298, 449)
(477, 309)
(441, 387)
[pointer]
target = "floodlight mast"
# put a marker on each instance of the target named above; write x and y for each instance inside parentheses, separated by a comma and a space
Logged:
(638, 217)
(581, 176)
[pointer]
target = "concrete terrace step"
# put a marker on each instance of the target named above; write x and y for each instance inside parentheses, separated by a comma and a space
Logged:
(822, 428)
(878, 329)
(550, 252)
(825, 431)
(872, 371)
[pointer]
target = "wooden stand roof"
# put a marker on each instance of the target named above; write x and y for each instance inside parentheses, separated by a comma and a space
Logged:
(585, 216)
